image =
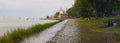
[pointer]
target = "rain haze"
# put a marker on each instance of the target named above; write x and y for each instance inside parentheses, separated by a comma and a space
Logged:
(59, 21)
(14, 13)
(32, 8)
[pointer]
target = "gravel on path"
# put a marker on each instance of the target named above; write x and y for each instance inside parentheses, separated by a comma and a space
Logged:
(69, 34)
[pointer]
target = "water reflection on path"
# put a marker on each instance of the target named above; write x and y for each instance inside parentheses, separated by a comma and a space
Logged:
(70, 34)
(45, 36)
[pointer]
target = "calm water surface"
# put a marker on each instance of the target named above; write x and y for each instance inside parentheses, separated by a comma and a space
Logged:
(7, 25)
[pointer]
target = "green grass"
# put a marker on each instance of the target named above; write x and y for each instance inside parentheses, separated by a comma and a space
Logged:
(117, 37)
(115, 30)
(91, 24)
(94, 24)
(19, 34)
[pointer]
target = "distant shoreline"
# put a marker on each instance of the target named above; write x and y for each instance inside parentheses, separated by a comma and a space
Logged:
(26, 19)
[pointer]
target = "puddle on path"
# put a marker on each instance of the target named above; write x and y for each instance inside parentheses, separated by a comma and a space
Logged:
(46, 35)
(70, 34)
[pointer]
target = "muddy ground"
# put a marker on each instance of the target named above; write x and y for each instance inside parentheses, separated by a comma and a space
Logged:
(74, 33)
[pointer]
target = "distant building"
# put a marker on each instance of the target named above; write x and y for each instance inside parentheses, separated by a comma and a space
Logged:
(59, 15)
(62, 14)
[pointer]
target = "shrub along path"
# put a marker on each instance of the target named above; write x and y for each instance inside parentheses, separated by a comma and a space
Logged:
(19, 34)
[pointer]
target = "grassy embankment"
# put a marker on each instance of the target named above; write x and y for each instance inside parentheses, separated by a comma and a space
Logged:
(19, 34)
(94, 25)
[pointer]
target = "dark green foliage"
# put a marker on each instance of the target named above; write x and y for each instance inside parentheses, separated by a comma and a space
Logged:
(47, 17)
(94, 24)
(117, 37)
(94, 8)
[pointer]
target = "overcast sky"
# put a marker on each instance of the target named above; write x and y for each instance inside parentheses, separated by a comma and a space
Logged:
(32, 8)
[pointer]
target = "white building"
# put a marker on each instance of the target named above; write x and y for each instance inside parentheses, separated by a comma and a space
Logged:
(62, 14)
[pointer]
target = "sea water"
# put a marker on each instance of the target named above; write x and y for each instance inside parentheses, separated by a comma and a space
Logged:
(8, 25)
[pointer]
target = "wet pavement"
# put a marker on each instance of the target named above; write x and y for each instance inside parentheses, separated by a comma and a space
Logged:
(69, 34)
(73, 32)
(69, 31)
(46, 35)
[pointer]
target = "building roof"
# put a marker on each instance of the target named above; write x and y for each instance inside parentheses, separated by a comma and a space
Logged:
(62, 11)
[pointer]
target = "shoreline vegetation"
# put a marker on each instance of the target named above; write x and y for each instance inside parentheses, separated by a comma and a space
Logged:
(17, 35)
(95, 25)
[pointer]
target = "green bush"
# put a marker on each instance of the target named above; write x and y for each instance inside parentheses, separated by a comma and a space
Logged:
(101, 22)
(19, 34)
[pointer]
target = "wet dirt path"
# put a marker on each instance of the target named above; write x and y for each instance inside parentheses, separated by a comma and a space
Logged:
(69, 34)
(46, 35)
(70, 31)
(73, 33)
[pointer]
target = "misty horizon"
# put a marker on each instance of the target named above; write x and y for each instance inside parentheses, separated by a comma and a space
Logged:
(32, 8)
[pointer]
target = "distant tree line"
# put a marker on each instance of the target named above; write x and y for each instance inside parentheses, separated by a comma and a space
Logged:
(94, 8)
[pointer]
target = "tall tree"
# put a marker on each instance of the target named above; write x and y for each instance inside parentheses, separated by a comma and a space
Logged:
(98, 8)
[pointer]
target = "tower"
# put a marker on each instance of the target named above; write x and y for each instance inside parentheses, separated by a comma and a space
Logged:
(62, 14)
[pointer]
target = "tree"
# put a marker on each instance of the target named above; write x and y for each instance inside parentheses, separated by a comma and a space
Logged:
(47, 17)
(71, 12)
(81, 8)
(98, 8)
(56, 15)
